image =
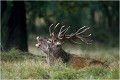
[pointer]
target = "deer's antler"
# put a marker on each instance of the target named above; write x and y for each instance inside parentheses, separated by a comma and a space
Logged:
(50, 29)
(78, 35)
(73, 36)
(52, 33)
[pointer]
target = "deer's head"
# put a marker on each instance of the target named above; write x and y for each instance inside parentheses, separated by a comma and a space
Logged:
(53, 44)
(47, 45)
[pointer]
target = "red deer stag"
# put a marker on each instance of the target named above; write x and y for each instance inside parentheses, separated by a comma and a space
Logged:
(52, 47)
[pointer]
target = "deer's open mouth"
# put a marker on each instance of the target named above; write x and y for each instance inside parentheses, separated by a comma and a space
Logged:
(39, 40)
(37, 45)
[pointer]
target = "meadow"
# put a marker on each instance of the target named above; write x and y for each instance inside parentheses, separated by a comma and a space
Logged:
(23, 21)
(18, 65)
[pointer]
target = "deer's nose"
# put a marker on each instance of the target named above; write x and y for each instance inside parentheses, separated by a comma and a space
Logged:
(37, 45)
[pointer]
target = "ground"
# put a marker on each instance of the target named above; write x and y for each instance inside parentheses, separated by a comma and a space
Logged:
(18, 65)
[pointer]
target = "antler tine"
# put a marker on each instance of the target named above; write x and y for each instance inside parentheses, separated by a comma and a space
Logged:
(79, 30)
(83, 30)
(60, 31)
(84, 40)
(64, 32)
(56, 27)
(50, 29)
(88, 35)
(65, 29)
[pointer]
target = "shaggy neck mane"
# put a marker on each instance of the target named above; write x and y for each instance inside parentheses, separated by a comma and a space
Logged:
(63, 55)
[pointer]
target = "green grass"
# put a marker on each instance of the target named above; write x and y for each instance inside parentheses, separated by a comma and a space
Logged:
(17, 65)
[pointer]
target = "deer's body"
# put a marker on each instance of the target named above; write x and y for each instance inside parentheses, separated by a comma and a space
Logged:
(52, 47)
(75, 60)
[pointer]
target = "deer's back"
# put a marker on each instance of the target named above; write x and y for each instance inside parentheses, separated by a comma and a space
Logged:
(80, 62)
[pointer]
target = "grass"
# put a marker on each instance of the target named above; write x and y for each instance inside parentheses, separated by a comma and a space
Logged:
(18, 65)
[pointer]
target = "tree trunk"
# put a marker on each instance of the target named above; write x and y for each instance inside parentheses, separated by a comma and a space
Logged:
(16, 34)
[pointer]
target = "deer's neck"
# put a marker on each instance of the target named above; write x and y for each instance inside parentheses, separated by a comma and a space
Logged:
(63, 55)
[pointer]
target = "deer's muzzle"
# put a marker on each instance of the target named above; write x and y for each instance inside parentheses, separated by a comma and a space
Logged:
(37, 45)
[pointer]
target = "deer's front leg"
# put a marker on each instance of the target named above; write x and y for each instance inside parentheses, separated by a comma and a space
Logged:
(49, 59)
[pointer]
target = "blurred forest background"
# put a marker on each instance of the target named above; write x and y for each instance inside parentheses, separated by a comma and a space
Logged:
(23, 21)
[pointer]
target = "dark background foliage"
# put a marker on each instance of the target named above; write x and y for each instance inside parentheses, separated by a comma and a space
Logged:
(21, 19)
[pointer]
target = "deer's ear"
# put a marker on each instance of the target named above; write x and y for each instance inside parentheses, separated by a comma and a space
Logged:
(37, 37)
(58, 43)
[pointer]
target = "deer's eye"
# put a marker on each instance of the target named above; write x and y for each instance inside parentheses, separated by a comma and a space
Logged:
(49, 41)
